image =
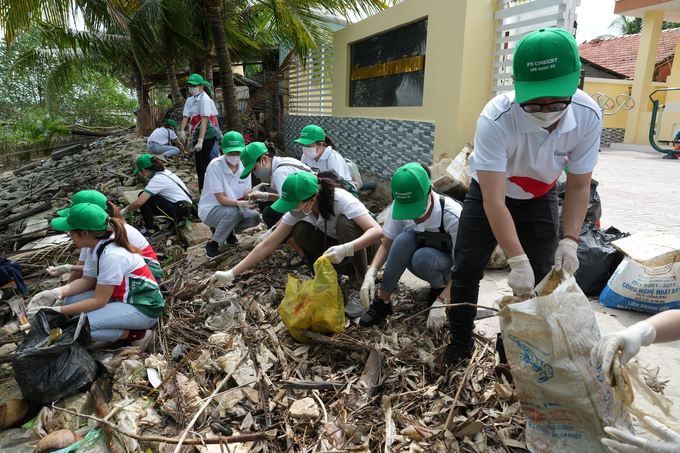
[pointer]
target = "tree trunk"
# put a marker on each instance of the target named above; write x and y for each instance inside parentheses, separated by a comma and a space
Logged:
(231, 114)
(139, 87)
(208, 65)
(172, 81)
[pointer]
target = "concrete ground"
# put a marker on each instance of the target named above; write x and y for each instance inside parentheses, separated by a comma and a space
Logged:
(639, 192)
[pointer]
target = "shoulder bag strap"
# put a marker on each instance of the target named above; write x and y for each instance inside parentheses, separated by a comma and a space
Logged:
(178, 185)
(443, 205)
(100, 250)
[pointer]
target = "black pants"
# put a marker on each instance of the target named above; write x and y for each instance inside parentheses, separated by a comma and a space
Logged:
(536, 222)
(202, 159)
(157, 205)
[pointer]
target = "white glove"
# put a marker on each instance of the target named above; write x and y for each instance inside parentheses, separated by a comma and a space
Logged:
(56, 271)
(337, 253)
(260, 186)
(222, 278)
(42, 299)
(521, 278)
(245, 204)
(124, 211)
(368, 287)
(262, 237)
(437, 317)
(199, 145)
(632, 444)
(628, 341)
(259, 196)
(565, 256)
(183, 136)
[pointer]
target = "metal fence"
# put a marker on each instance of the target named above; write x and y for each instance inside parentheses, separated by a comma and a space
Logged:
(309, 86)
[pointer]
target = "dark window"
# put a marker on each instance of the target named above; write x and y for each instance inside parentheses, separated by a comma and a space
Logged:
(388, 70)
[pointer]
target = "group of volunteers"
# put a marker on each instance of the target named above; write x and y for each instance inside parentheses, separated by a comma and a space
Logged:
(524, 140)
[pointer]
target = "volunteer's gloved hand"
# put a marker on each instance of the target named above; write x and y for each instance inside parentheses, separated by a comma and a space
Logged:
(337, 253)
(258, 187)
(259, 196)
(628, 341)
(521, 278)
(565, 256)
(199, 145)
(124, 211)
(245, 204)
(42, 299)
(56, 271)
(437, 317)
(367, 292)
(631, 444)
(182, 136)
(262, 237)
(222, 278)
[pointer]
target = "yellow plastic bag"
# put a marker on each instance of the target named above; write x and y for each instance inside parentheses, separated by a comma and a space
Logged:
(317, 305)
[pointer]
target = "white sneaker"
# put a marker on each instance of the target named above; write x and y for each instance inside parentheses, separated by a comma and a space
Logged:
(354, 307)
(145, 342)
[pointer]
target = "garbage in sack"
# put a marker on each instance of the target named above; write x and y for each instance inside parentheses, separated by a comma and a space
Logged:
(548, 339)
(222, 310)
(454, 181)
(597, 257)
(316, 305)
(52, 362)
(648, 289)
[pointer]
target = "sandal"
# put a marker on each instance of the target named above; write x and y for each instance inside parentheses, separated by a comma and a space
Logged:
(289, 266)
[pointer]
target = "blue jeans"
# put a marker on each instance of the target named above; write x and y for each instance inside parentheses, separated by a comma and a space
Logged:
(168, 150)
(426, 263)
(226, 219)
(109, 322)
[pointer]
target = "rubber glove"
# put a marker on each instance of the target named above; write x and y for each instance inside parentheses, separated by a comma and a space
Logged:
(437, 317)
(56, 271)
(42, 299)
(259, 196)
(182, 136)
(565, 256)
(628, 341)
(263, 236)
(632, 444)
(199, 145)
(521, 278)
(337, 253)
(245, 204)
(258, 187)
(124, 210)
(222, 278)
(367, 292)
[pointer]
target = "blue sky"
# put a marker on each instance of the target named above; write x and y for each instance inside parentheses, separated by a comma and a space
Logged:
(594, 17)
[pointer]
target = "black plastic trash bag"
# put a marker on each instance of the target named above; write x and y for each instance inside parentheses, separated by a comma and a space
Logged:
(50, 373)
(594, 212)
(597, 258)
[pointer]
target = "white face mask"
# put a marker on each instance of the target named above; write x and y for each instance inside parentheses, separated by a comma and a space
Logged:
(233, 160)
(194, 90)
(299, 213)
(547, 119)
(309, 152)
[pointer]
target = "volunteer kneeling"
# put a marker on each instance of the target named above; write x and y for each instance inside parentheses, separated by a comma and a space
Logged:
(136, 238)
(163, 141)
(222, 205)
(164, 195)
(325, 220)
(420, 232)
(117, 291)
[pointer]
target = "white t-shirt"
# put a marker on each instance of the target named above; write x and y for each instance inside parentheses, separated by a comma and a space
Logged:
(393, 228)
(280, 172)
(343, 203)
(136, 238)
(200, 105)
(114, 263)
(507, 141)
(220, 179)
(330, 159)
(167, 185)
(162, 136)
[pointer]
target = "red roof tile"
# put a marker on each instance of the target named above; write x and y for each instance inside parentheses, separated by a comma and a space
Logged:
(620, 54)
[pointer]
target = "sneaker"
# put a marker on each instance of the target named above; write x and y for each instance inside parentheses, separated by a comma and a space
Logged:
(232, 239)
(378, 311)
(212, 249)
(144, 343)
(457, 351)
(354, 307)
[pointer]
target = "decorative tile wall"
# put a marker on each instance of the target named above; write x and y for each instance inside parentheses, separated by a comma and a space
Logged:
(612, 135)
(377, 146)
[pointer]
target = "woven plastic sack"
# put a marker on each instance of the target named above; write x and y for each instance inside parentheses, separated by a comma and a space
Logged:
(317, 305)
(565, 399)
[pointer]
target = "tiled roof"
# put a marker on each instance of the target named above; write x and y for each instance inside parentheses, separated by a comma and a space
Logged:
(620, 54)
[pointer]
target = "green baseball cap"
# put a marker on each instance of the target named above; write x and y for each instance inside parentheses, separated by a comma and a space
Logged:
(207, 88)
(311, 134)
(546, 64)
(296, 188)
(85, 196)
(233, 141)
(250, 155)
(410, 186)
(85, 216)
(195, 79)
(171, 123)
(143, 161)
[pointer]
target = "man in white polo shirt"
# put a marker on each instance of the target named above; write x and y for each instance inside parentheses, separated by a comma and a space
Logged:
(524, 140)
